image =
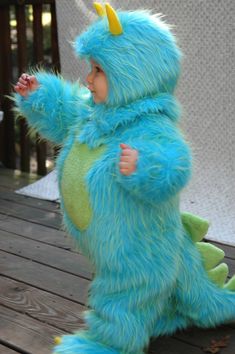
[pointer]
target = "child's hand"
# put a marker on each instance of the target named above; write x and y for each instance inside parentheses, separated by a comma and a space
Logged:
(26, 84)
(128, 160)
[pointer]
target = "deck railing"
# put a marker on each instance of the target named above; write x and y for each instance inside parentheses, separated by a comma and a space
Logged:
(22, 45)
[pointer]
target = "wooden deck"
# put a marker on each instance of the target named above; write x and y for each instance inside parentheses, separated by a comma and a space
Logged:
(43, 283)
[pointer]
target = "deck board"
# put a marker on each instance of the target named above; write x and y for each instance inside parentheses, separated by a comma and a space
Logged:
(6, 194)
(15, 179)
(45, 254)
(6, 350)
(44, 294)
(166, 345)
(41, 305)
(26, 333)
(43, 277)
(202, 338)
(38, 216)
(35, 232)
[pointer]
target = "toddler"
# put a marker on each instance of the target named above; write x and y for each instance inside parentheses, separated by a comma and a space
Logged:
(122, 166)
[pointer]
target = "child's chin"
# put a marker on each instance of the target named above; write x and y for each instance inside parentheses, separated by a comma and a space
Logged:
(98, 100)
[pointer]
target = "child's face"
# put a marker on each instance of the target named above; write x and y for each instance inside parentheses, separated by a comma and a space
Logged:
(97, 83)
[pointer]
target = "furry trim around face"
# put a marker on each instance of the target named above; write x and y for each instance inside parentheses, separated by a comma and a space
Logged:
(143, 60)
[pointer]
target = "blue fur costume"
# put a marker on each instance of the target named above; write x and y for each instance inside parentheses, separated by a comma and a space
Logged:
(151, 275)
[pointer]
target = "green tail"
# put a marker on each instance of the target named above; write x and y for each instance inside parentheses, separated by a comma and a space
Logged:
(197, 228)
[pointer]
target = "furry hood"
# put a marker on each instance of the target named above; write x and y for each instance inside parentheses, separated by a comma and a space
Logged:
(143, 61)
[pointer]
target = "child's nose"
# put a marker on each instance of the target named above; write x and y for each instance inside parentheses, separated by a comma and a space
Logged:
(89, 78)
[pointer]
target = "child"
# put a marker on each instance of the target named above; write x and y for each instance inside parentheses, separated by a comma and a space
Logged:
(121, 168)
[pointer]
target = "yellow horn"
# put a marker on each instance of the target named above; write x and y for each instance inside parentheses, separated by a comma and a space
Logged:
(99, 9)
(115, 26)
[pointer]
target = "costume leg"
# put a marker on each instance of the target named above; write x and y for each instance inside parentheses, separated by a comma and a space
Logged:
(199, 298)
(119, 322)
(171, 320)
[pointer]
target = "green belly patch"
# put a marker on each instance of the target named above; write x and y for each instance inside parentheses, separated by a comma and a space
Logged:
(73, 187)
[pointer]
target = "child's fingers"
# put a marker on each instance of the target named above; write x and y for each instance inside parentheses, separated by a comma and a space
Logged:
(22, 93)
(17, 89)
(124, 172)
(126, 152)
(23, 81)
(125, 158)
(26, 84)
(22, 86)
(129, 158)
(129, 155)
(25, 76)
(125, 146)
(124, 164)
(127, 171)
(32, 80)
(28, 79)
(21, 89)
(33, 83)
(123, 169)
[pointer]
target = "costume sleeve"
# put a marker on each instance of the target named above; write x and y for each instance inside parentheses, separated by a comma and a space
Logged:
(163, 168)
(53, 107)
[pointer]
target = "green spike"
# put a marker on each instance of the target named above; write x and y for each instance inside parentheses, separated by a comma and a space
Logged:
(230, 285)
(195, 226)
(211, 254)
(219, 274)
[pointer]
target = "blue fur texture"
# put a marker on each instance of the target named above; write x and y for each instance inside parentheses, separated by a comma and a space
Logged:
(147, 40)
(149, 276)
(50, 109)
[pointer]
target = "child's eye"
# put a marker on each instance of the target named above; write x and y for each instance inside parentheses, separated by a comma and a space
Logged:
(97, 68)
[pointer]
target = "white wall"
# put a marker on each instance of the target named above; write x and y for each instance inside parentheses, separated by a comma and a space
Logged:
(205, 30)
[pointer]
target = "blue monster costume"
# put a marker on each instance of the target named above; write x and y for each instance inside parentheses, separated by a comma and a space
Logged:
(152, 273)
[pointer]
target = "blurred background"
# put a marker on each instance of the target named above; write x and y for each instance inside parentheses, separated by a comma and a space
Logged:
(28, 38)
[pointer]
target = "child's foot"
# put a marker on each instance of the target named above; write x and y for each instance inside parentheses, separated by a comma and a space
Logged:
(79, 343)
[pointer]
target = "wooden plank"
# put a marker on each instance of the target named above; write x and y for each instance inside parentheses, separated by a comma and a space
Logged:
(7, 126)
(41, 147)
(2, 138)
(10, 172)
(35, 215)
(231, 265)
(54, 220)
(46, 307)
(54, 40)
(10, 195)
(35, 232)
(26, 333)
(58, 258)
(22, 64)
(21, 38)
(202, 337)
(43, 277)
(14, 179)
(168, 345)
(41, 305)
(6, 350)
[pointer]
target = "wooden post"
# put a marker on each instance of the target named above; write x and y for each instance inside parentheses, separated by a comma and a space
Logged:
(7, 127)
(22, 64)
(7, 134)
(54, 39)
(38, 58)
